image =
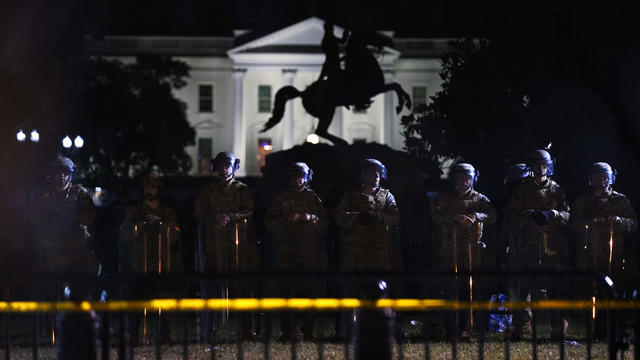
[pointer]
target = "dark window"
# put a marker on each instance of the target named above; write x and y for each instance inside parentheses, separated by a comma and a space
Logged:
(264, 98)
(205, 98)
(419, 95)
(205, 150)
(359, 140)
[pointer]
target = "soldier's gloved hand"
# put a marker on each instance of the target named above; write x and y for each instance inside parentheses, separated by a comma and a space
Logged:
(541, 217)
(222, 219)
(614, 220)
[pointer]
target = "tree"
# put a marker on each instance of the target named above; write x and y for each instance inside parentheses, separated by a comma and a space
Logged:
(523, 86)
(125, 112)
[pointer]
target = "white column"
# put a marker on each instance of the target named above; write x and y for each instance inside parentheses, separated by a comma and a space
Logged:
(239, 138)
(389, 111)
(338, 123)
(287, 120)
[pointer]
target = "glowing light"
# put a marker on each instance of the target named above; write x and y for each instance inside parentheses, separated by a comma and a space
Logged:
(35, 137)
(78, 142)
(313, 139)
(21, 136)
(66, 142)
(608, 281)
(382, 285)
(266, 147)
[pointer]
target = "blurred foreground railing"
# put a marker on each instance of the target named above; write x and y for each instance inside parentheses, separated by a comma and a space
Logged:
(215, 325)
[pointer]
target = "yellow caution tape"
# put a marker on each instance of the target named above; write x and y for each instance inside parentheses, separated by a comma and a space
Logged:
(319, 304)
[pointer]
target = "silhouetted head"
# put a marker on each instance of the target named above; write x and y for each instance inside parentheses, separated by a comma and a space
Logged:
(541, 163)
(601, 176)
(299, 176)
(464, 177)
(371, 172)
(61, 171)
(152, 184)
(225, 164)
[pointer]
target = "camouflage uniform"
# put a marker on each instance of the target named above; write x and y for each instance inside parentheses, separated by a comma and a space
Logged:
(227, 248)
(298, 244)
(592, 249)
(150, 247)
(455, 239)
(366, 221)
(60, 221)
(535, 246)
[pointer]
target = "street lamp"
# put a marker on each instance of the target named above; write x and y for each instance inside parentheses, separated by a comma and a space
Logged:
(21, 136)
(78, 142)
(35, 137)
(66, 142)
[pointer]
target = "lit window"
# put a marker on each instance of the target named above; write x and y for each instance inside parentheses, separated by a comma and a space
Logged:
(264, 149)
(205, 98)
(205, 149)
(264, 98)
(419, 95)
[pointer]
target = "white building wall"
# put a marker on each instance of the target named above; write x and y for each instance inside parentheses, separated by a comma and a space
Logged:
(217, 124)
(414, 72)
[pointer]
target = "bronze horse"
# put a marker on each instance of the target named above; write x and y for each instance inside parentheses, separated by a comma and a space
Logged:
(361, 79)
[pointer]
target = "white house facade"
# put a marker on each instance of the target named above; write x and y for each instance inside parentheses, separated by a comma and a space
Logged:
(232, 84)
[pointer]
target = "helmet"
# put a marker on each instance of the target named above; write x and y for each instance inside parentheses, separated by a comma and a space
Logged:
(225, 157)
(542, 155)
(153, 178)
(603, 168)
(467, 169)
(300, 168)
(373, 163)
(62, 163)
(516, 173)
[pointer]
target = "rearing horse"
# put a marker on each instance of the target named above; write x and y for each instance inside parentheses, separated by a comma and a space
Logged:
(361, 80)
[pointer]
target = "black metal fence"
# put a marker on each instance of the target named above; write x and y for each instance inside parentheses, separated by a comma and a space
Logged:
(452, 317)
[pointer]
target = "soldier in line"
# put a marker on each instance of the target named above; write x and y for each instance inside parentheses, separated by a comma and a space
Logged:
(61, 215)
(460, 215)
(537, 213)
(224, 208)
(149, 243)
(600, 217)
(297, 220)
(367, 216)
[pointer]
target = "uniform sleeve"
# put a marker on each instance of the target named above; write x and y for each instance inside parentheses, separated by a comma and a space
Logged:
(245, 209)
(487, 213)
(86, 208)
(562, 209)
(202, 212)
(628, 215)
(391, 213)
(318, 210)
(274, 217)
